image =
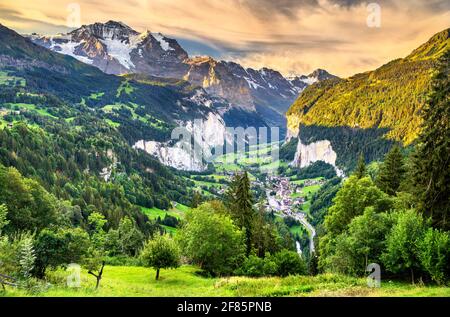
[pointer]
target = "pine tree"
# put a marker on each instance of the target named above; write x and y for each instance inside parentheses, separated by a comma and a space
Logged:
(392, 171)
(361, 169)
(431, 161)
(239, 200)
(230, 194)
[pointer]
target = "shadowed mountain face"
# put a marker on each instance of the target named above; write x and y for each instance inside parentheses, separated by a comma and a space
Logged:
(115, 48)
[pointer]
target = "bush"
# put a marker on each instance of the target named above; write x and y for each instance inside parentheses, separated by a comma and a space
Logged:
(122, 260)
(401, 254)
(256, 267)
(289, 263)
(60, 247)
(9, 256)
(434, 255)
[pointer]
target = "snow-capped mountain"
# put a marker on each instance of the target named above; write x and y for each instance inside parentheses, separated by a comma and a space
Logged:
(115, 48)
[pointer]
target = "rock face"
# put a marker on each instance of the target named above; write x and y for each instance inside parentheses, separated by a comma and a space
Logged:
(207, 134)
(317, 151)
(174, 156)
(218, 78)
(115, 48)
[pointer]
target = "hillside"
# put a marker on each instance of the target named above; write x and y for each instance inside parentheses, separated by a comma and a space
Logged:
(72, 128)
(388, 99)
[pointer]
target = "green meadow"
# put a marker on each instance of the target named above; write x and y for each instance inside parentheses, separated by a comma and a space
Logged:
(128, 281)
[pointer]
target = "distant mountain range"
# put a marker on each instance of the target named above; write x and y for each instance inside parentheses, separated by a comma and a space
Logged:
(115, 48)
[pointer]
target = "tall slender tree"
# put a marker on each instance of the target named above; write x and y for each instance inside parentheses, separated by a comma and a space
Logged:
(239, 200)
(431, 162)
(361, 169)
(392, 171)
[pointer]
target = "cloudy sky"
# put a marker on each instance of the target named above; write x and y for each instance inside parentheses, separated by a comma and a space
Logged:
(292, 36)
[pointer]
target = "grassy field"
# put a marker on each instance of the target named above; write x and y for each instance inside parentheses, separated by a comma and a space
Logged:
(184, 281)
(29, 107)
(8, 80)
(257, 157)
(96, 96)
(154, 213)
(125, 87)
(131, 107)
(112, 123)
(307, 191)
(302, 181)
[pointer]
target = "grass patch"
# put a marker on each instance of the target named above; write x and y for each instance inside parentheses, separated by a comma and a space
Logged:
(112, 123)
(8, 80)
(30, 107)
(124, 87)
(178, 212)
(302, 181)
(130, 281)
(96, 96)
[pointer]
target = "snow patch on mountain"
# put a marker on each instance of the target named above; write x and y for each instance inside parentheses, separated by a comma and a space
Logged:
(164, 44)
(68, 48)
(120, 50)
(201, 98)
(309, 80)
(253, 84)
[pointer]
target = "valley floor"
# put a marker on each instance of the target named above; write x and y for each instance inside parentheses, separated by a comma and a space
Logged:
(184, 282)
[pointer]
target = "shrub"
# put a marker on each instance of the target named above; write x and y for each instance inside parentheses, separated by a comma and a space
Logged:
(289, 263)
(256, 267)
(434, 255)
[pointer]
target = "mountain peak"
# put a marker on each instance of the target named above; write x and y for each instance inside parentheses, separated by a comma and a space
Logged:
(118, 24)
(109, 30)
(320, 74)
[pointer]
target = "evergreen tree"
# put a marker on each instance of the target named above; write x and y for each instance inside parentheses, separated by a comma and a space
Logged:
(432, 160)
(230, 194)
(361, 169)
(392, 172)
(243, 208)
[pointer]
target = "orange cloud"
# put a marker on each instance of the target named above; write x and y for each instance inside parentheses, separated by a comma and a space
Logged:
(294, 36)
